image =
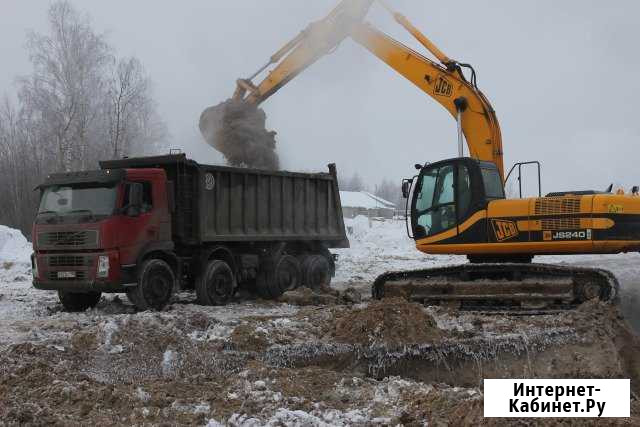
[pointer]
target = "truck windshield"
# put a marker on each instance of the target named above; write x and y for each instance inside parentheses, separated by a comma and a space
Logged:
(62, 200)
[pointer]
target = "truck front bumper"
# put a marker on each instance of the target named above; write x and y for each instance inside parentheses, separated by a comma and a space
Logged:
(80, 286)
(78, 272)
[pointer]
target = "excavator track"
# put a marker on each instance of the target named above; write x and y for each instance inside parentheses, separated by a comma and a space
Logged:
(516, 289)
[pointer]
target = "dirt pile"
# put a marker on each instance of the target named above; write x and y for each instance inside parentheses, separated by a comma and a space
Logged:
(304, 296)
(613, 327)
(238, 131)
(390, 322)
(246, 338)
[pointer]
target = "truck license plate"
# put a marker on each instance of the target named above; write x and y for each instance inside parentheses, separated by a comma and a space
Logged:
(66, 274)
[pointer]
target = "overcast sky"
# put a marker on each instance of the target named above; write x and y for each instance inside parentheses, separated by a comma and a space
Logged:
(562, 77)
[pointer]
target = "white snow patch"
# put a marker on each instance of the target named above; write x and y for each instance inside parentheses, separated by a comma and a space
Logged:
(219, 331)
(377, 246)
(169, 362)
(315, 418)
(142, 395)
(14, 247)
(109, 328)
(198, 408)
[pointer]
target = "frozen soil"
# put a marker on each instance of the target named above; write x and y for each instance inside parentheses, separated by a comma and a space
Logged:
(271, 363)
(305, 360)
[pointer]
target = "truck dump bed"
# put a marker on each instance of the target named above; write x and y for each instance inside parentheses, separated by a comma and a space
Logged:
(225, 204)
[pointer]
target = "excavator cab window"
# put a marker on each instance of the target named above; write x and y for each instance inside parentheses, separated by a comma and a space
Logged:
(435, 205)
(443, 198)
(493, 188)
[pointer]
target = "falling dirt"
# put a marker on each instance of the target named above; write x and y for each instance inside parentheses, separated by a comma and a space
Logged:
(392, 321)
(238, 130)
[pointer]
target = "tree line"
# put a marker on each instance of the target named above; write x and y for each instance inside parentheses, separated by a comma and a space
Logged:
(81, 103)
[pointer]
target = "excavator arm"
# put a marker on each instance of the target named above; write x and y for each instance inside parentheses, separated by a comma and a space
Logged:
(443, 81)
(317, 40)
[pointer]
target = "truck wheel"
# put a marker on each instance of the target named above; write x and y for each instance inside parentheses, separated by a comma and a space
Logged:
(73, 301)
(274, 279)
(156, 283)
(216, 284)
(316, 272)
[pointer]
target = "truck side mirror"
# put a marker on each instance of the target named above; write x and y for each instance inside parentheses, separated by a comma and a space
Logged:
(406, 187)
(135, 199)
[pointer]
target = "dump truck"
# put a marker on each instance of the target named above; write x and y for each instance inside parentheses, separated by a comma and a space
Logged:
(152, 226)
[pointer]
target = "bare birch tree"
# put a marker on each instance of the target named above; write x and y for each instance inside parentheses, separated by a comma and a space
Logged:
(133, 123)
(64, 88)
(79, 105)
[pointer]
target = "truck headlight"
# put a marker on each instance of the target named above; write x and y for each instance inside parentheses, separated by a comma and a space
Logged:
(103, 266)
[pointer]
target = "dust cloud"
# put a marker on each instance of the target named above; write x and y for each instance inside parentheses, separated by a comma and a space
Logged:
(238, 130)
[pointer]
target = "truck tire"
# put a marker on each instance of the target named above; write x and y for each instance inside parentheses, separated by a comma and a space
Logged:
(156, 283)
(216, 284)
(276, 278)
(316, 272)
(73, 301)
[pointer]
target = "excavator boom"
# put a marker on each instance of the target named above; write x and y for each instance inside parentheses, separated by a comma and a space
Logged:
(443, 81)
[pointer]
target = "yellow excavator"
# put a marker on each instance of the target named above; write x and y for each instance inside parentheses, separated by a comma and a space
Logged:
(458, 206)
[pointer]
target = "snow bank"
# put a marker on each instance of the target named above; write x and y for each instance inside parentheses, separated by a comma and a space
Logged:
(14, 247)
(377, 246)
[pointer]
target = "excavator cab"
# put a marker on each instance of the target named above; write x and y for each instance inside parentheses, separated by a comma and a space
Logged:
(449, 192)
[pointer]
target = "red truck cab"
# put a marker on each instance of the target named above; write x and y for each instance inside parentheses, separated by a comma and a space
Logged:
(93, 227)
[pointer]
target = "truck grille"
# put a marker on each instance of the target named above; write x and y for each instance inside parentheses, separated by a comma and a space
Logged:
(68, 238)
(68, 261)
(80, 275)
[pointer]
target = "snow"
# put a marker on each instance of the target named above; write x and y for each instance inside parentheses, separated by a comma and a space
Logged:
(362, 199)
(169, 362)
(380, 200)
(316, 418)
(142, 395)
(14, 247)
(379, 246)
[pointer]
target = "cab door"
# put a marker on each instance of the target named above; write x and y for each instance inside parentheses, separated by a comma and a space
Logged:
(449, 206)
(139, 229)
(434, 207)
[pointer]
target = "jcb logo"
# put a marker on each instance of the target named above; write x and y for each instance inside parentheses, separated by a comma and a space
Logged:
(504, 230)
(616, 208)
(443, 87)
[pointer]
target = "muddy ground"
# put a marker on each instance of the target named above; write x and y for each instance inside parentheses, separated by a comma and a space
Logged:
(309, 360)
(258, 362)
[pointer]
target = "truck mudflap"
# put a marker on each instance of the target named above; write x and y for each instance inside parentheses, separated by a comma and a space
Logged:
(512, 288)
